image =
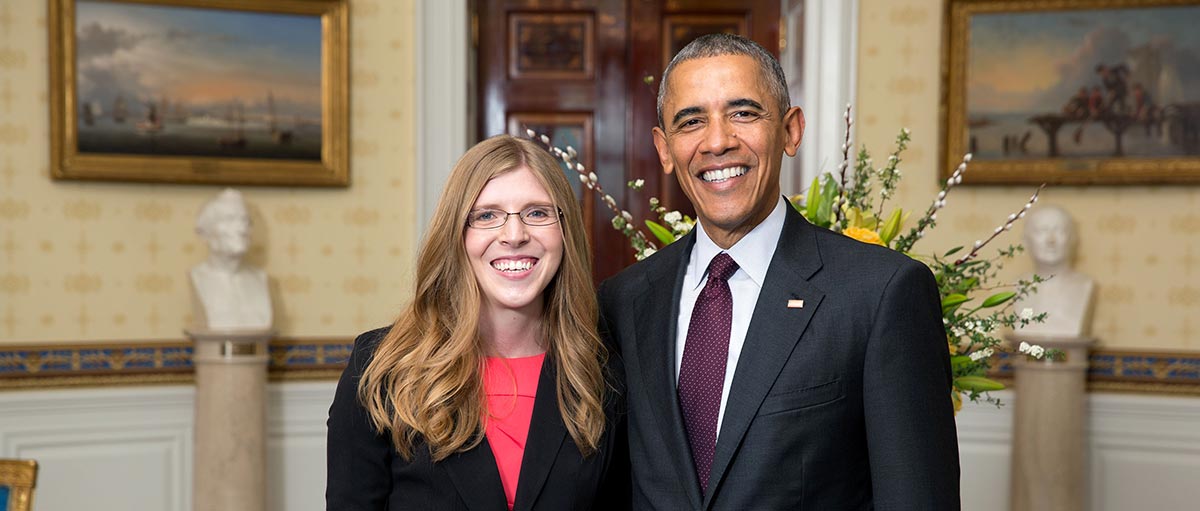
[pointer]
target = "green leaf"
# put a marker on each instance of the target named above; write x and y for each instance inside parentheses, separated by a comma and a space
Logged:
(829, 192)
(892, 227)
(999, 298)
(662, 233)
(952, 251)
(977, 384)
(960, 362)
(952, 301)
(813, 200)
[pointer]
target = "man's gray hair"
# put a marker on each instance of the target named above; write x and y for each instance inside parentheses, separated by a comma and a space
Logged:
(716, 45)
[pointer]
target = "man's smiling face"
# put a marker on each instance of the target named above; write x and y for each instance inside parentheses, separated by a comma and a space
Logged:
(724, 140)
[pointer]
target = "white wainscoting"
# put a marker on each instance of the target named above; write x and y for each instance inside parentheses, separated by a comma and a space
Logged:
(1144, 453)
(130, 448)
(984, 436)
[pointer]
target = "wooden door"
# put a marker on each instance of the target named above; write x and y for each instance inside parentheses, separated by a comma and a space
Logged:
(585, 73)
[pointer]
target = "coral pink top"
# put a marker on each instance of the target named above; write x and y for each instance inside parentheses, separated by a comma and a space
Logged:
(510, 385)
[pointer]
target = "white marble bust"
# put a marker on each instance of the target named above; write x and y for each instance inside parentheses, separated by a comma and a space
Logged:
(1067, 298)
(228, 295)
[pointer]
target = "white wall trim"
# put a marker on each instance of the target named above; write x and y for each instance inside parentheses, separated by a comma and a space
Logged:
(117, 448)
(143, 430)
(1143, 452)
(829, 40)
(442, 98)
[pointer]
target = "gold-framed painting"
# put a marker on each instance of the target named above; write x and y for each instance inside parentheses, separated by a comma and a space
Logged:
(200, 91)
(1072, 91)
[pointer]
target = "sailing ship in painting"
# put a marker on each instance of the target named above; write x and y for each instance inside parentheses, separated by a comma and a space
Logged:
(179, 81)
(152, 124)
(162, 126)
(236, 118)
(280, 136)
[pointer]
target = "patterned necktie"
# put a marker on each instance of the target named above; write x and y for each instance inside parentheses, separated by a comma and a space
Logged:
(705, 354)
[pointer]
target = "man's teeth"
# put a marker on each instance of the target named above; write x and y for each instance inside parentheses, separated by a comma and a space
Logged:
(716, 176)
(513, 266)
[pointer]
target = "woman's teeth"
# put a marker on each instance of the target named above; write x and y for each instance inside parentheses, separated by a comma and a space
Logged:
(513, 266)
(716, 176)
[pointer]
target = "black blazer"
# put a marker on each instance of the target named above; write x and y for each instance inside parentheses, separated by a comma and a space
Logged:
(366, 473)
(843, 403)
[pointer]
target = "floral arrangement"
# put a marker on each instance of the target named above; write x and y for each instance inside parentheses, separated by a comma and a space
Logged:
(975, 310)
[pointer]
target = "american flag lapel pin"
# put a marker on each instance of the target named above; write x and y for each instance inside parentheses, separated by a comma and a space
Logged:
(795, 304)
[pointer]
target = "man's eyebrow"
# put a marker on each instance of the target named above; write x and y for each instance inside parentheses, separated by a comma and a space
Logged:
(691, 110)
(745, 102)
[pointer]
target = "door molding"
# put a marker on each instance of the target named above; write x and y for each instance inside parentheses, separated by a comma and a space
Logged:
(443, 98)
(828, 38)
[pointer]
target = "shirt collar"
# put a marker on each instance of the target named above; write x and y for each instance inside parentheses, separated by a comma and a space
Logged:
(752, 253)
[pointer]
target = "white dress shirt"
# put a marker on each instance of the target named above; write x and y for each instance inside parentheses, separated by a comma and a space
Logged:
(753, 255)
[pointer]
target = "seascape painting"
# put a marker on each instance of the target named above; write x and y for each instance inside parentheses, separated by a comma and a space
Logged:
(1083, 84)
(168, 80)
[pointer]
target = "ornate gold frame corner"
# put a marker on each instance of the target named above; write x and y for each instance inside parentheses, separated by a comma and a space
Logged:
(20, 476)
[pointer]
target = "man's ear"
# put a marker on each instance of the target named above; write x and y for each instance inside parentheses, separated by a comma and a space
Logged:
(664, 151)
(793, 125)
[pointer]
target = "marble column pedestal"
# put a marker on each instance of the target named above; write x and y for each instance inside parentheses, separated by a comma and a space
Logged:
(229, 472)
(1049, 427)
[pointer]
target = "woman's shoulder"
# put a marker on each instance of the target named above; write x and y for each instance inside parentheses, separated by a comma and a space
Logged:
(371, 338)
(365, 344)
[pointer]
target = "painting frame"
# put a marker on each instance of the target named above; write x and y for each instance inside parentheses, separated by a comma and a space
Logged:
(331, 169)
(1089, 170)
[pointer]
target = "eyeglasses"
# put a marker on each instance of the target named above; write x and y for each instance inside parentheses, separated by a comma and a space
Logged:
(536, 216)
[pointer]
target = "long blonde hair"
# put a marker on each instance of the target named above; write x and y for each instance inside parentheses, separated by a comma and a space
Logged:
(424, 382)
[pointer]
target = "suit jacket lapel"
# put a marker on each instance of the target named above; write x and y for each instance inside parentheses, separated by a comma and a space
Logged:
(657, 314)
(773, 333)
(546, 435)
(476, 478)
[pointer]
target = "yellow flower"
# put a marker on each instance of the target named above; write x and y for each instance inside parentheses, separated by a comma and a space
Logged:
(957, 401)
(953, 346)
(863, 235)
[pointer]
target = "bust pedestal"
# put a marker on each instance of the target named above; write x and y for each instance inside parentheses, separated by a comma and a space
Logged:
(230, 444)
(1048, 453)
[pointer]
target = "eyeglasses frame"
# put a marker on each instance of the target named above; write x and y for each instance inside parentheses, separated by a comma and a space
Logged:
(557, 219)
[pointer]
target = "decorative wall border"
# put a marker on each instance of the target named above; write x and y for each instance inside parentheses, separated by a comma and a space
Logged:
(115, 363)
(1141, 372)
(1144, 371)
(30, 366)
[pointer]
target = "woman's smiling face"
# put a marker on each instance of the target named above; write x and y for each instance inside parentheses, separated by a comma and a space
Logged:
(514, 263)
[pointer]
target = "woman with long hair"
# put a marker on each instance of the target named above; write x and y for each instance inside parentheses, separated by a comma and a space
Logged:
(492, 390)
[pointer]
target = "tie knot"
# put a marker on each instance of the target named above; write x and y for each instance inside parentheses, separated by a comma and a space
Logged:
(722, 267)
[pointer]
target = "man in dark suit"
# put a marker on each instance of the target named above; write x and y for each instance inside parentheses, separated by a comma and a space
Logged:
(771, 364)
